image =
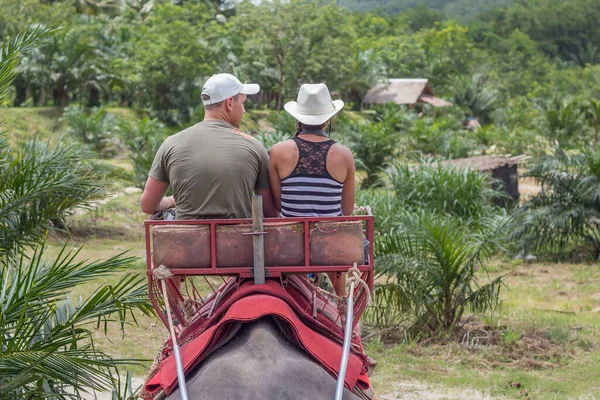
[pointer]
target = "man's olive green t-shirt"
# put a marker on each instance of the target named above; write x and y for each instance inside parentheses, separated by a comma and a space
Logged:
(213, 169)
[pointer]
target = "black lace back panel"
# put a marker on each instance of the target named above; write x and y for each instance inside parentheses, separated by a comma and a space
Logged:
(310, 191)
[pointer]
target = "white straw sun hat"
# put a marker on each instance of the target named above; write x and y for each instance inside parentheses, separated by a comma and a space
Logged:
(314, 105)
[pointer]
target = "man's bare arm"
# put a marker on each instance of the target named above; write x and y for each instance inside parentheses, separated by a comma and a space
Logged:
(153, 199)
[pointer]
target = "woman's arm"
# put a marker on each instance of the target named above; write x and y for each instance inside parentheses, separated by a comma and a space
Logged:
(348, 198)
(274, 177)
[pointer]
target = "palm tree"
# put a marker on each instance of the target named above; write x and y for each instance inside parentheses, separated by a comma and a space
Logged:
(428, 267)
(46, 342)
(566, 213)
(47, 345)
(592, 116)
(476, 95)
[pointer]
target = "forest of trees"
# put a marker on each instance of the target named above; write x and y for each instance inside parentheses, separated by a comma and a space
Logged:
(154, 55)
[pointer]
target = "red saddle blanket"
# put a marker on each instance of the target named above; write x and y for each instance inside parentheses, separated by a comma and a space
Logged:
(249, 303)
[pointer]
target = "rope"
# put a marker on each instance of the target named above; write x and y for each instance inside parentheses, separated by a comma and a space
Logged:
(355, 279)
(189, 307)
(161, 272)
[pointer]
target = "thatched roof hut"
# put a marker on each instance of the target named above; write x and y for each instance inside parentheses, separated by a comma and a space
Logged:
(404, 91)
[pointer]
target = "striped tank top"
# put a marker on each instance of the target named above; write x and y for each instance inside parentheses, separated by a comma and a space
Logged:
(310, 191)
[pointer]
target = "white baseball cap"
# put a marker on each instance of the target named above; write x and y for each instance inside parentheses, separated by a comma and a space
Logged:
(223, 86)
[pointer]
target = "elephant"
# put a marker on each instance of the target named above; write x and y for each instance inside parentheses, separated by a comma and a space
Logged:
(260, 363)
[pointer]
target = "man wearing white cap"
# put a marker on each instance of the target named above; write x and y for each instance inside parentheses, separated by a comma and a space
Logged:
(212, 167)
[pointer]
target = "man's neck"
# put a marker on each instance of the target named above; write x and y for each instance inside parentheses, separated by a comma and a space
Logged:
(217, 116)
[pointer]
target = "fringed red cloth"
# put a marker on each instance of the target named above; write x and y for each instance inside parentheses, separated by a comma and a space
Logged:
(318, 335)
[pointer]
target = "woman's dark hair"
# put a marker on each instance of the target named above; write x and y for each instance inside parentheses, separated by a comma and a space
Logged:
(300, 127)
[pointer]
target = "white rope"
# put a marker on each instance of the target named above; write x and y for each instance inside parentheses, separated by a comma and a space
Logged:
(354, 279)
(162, 273)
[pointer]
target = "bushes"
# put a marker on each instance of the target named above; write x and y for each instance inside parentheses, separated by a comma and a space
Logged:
(442, 189)
(375, 144)
(566, 213)
(143, 139)
(437, 227)
(428, 265)
(39, 186)
(46, 340)
(94, 127)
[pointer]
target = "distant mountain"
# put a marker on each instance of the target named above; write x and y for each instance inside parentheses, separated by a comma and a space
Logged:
(461, 9)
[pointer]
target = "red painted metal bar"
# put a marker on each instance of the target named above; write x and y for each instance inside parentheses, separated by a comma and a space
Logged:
(213, 246)
(306, 244)
(271, 271)
(249, 221)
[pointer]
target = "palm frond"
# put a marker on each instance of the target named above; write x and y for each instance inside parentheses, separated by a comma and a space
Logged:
(429, 263)
(10, 51)
(46, 339)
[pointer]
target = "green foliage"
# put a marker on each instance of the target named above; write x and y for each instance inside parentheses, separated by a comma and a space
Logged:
(143, 139)
(476, 97)
(272, 138)
(466, 9)
(510, 336)
(429, 264)
(47, 347)
(385, 206)
(46, 341)
(443, 189)
(10, 53)
(566, 212)
(565, 29)
(442, 136)
(95, 127)
(564, 120)
(374, 144)
(40, 185)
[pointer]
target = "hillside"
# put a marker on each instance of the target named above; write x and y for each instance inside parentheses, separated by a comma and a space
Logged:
(461, 9)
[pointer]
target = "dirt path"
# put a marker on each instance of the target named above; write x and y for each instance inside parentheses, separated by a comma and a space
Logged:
(97, 203)
(406, 390)
(414, 390)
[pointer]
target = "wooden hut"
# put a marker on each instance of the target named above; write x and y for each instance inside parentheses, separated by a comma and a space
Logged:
(405, 91)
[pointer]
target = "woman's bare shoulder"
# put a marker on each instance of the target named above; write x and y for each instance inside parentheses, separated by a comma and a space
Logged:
(286, 145)
(342, 150)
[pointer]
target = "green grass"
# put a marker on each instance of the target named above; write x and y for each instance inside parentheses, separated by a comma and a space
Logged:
(25, 123)
(549, 329)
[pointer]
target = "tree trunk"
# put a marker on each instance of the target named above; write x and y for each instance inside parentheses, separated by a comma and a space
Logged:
(281, 62)
(94, 100)
(20, 90)
(42, 100)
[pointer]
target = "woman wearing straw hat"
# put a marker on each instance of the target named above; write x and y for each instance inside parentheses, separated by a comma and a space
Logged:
(312, 175)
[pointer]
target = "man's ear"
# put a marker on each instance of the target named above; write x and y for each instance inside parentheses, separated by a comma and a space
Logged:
(229, 103)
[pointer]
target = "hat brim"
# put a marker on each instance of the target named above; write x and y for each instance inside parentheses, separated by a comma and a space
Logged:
(312, 119)
(250, 89)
